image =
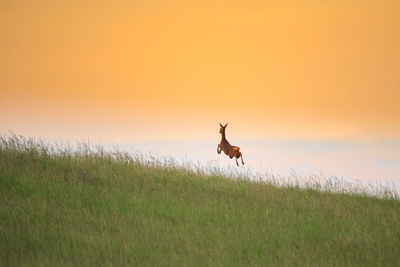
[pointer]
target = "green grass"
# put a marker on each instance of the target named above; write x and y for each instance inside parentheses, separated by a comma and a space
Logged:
(60, 207)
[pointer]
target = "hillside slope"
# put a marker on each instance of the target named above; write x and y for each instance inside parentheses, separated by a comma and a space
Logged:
(92, 207)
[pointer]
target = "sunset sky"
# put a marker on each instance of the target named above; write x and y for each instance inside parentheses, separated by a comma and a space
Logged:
(130, 71)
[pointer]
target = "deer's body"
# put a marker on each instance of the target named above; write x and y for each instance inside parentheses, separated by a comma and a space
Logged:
(224, 145)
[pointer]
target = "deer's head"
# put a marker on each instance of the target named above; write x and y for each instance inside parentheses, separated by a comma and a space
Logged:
(222, 129)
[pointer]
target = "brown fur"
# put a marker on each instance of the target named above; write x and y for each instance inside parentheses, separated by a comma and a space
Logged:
(231, 151)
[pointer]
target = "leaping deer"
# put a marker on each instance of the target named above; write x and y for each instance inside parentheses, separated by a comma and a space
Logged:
(231, 151)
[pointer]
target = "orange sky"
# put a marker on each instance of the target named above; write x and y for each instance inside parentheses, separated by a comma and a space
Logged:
(143, 70)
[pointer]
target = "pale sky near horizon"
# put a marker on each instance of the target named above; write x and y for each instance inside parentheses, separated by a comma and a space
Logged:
(135, 71)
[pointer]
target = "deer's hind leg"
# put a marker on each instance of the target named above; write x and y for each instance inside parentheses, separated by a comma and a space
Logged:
(239, 155)
(236, 161)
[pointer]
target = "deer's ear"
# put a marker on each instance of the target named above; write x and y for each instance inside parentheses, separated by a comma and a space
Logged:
(221, 125)
(225, 125)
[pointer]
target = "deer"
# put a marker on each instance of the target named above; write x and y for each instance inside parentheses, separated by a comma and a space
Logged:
(231, 151)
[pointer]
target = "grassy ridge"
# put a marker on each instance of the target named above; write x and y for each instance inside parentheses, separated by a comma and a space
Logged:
(86, 207)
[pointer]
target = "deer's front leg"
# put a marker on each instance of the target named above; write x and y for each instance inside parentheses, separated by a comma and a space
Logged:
(219, 149)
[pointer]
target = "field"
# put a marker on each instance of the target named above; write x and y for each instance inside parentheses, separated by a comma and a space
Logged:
(85, 206)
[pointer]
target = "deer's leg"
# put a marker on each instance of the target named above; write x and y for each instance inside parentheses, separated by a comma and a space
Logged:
(236, 157)
(241, 157)
(219, 149)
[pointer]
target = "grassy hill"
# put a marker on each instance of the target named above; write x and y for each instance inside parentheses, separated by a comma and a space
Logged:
(86, 207)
